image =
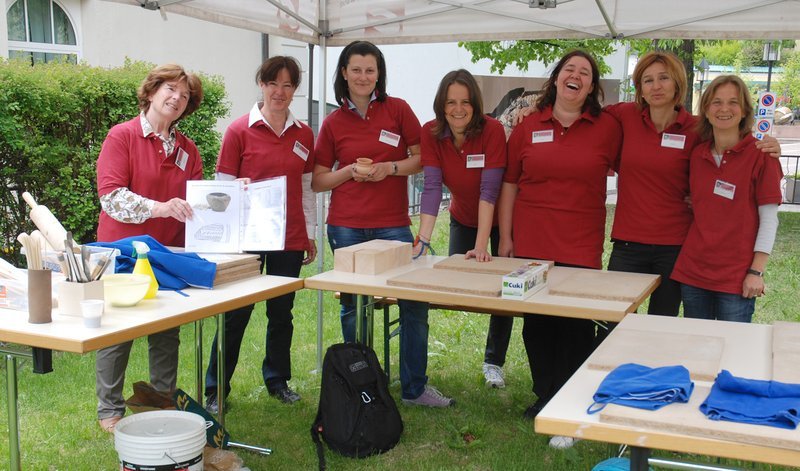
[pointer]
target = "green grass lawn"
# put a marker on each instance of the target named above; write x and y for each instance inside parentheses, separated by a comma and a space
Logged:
(59, 430)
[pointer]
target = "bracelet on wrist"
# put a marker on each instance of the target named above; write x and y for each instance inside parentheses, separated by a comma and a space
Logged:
(426, 246)
(753, 271)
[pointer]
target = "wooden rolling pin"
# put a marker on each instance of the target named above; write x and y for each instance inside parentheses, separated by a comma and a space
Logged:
(51, 228)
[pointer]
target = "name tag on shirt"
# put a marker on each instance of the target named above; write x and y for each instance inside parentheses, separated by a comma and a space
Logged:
(388, 137)
(476, 160)
(542, 136)
(300, 150)
(724, 189)
(676, 141)
(181, 158)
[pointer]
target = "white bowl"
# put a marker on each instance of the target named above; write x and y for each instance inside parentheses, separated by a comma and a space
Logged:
(125, 289)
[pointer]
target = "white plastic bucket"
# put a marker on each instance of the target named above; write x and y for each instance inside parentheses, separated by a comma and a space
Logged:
(161, 441)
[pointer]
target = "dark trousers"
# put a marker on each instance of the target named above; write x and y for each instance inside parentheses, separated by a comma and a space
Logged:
(276, 367)
(652, 259)
(556, 347)
(462, 240)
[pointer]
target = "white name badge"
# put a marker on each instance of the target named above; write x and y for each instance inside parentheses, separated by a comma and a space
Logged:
(388, 137)
(542, 136)
(476, 160)
(300, 150)
(181, 158)
(676, 141)
(724, 189)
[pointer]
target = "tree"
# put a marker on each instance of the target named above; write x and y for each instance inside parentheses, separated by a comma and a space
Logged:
(521, 53)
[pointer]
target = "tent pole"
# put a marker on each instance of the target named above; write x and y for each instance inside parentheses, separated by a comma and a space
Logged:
(322, 102)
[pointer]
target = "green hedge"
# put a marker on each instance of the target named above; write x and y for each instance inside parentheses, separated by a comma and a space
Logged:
(54, 120)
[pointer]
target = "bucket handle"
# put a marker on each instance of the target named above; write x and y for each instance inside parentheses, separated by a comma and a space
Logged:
(209, 424)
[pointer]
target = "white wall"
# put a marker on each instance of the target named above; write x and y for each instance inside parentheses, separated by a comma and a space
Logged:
(112, 32)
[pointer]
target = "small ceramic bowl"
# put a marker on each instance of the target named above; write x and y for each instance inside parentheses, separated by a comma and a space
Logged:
(363, 165)
(218, 201)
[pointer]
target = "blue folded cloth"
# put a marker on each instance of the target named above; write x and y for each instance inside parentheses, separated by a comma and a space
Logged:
(173, 270)
(643, 387)
(753, 401)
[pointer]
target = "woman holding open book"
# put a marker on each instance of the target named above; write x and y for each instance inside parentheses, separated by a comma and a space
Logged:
(265, 143)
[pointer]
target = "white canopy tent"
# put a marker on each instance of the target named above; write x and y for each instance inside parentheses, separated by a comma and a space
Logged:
(339, 22)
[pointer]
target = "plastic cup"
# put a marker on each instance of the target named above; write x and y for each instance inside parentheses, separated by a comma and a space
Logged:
(92, 311)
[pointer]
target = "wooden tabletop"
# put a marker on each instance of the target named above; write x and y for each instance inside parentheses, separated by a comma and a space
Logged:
(541, 302)
(747, 353)
(168, 310)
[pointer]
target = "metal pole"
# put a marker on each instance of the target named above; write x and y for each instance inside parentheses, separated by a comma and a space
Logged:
(769, 74)
(198, 358)
(13, 418)
(221, 368)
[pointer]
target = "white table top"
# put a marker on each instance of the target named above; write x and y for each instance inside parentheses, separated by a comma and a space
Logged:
(747, 353)
(539, 303)
(119, 324)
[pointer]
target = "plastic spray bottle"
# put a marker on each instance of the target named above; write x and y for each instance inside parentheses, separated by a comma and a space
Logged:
(142, 267)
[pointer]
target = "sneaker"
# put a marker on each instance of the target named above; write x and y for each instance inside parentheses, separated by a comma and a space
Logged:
(285, 395)
(212, 405)
(430, 397)
(562, 443)
(532, 411)
(494, 376)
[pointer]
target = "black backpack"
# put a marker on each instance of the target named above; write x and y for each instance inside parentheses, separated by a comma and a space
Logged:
(357, 416)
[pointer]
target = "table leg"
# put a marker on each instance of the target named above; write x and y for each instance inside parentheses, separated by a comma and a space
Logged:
(369, 320)
(639, 458)
(198, 358)
(319, 331)
(359, 318)
(221, 368)
(13, 418)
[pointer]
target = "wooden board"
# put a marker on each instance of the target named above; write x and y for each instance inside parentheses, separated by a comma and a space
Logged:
(237, 273)
(376, 256)
(597, 284)
(786, 336)
(480, 284)
(229, 260)
(687, 419)
(656, 349)
(786, 352)
(497, 266)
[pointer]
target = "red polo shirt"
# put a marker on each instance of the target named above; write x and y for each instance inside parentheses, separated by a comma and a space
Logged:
(251, 149)
(346, 136)
(131, 160)
(719, 247)
(465, 183)
(653, 177)
(560, 208)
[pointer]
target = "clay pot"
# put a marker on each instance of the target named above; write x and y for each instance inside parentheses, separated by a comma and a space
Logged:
(363, 165)
(218, 201)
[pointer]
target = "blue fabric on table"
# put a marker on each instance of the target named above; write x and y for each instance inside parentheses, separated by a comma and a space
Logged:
(753, 401)
(642, 387)
(173, 270)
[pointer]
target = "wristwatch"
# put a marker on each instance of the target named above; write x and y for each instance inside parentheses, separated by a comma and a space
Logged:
(394, 168)
(753, 271)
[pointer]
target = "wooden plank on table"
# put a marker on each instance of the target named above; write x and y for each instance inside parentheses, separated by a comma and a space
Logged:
(497, 265)
(599, 284)
(229, 260)
(786, 336)
(786, 352)
(376, 256)
(656, 349)
(687, 419)
(786, 367)
(480, 284)
(237, 273)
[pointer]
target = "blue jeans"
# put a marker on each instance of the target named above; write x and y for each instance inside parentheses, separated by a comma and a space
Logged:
(413, 314)
(699, 303)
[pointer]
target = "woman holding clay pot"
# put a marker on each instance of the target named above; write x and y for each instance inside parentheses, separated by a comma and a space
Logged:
(142, 171)
(466, 150)
(269, 142)
(370, 124)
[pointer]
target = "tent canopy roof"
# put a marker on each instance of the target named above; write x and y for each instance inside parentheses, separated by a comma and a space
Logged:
(418, 21)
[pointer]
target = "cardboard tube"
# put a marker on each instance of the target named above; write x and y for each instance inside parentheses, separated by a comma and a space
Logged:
(40, 296)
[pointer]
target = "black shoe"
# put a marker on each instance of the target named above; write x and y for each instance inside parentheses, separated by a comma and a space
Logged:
(285, 395)
(212, 405)
(532, 411)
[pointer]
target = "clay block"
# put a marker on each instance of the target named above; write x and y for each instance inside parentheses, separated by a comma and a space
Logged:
(344, 258)
(377, 257)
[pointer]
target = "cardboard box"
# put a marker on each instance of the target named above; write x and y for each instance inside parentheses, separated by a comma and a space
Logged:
(524, 281)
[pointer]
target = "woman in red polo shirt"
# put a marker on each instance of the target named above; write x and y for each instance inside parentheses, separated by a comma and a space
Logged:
(466, 150)
(374, 206)
(265, 143)
(552, 207)
(735, 196)
(142, 171)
